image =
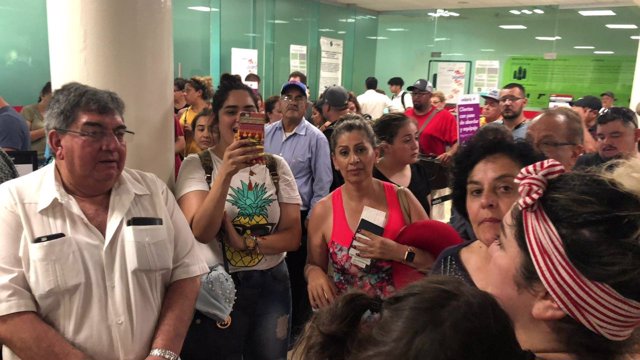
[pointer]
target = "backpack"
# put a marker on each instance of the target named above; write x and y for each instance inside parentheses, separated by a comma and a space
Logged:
(402, 94)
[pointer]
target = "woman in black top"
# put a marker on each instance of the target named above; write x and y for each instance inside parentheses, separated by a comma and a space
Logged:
(399, 164)
(483, 175)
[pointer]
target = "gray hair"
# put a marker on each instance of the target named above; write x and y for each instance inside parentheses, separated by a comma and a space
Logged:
(74, 98)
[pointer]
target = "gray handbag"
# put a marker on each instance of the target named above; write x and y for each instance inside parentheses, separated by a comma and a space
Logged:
(217, 295)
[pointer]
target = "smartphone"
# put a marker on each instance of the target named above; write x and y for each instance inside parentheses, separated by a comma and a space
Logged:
(251, 127)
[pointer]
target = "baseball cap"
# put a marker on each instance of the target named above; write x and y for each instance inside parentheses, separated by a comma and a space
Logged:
(588, 101)
(335, 96)
(492, 94)
(297, 84)
(609, 94)
(421, 85)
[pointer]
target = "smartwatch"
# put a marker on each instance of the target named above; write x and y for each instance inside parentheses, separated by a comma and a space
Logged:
(409, 256)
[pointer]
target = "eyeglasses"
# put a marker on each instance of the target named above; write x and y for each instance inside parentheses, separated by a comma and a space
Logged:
(548, 145)
(298, 98)
(510, 98)
(121, 135)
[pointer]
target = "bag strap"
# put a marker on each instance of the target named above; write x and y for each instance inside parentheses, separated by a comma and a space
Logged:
(427, 121)
(272, 166)
(402, 94)
(207, 165)
(404, 204)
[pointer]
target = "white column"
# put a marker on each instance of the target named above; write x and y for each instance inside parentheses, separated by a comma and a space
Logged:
(125, 46)
(635, 89)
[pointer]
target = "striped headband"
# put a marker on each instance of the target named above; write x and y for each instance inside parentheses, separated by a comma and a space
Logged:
(595, 305)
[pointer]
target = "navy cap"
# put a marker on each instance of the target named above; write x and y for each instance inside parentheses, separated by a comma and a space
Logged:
(296, 84)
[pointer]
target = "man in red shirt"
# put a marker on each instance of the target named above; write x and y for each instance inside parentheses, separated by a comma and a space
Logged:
(438, 130)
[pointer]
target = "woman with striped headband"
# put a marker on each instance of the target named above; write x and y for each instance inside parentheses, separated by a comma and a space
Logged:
(567, 264)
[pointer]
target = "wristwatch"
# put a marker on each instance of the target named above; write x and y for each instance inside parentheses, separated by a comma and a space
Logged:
(164, 353)
(409, 255)
(250, 242)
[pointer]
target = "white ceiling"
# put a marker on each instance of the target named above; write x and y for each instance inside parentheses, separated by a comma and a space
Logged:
(400, 5)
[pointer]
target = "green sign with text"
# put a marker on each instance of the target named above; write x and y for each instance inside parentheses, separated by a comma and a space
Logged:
(572, 75)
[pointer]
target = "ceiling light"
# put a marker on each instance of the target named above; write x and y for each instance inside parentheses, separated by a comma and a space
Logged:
(635, 37)
(597, 13)
(397, 29)
(621, 26)
(278, 21)
(347, 20)
(202, 8)
(251, 35)
(441, 39)
(538, 11)
(342, 32)
(515, 12)
(548, 38)
(584, 47)
(453, 54)
(442, 12)
(377, 37)
(604, 52)
(487, 50)
(513, 27)
(326, 30)
(528, 12)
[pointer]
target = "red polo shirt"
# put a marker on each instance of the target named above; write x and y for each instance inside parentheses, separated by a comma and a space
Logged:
(442, 131)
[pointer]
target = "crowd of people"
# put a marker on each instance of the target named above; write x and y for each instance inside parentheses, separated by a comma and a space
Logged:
(316, 242)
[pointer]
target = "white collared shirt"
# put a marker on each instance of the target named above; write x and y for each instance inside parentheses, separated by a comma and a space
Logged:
(374, 103)
(103, 294)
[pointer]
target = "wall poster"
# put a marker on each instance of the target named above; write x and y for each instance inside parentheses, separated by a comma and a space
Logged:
(451, 77)
(244, 61)
(331, 51)
(298, 58)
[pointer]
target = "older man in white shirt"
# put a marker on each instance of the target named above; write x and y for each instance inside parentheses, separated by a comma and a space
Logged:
(97, 260)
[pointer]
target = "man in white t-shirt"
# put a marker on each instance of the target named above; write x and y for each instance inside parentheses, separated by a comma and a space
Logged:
(373, 102)
(400, 100)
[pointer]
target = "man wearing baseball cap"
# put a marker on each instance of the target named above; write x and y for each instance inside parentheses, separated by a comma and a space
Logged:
(334, 102)
(608, 98)
(306, 150)
(588, 107)
(438, 130)
(491, 109)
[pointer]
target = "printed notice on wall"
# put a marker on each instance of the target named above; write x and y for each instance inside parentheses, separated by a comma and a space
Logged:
(244, 61)
(330, 63)
(452, 77)
(468, 109)
(486, 76)
(298, 58)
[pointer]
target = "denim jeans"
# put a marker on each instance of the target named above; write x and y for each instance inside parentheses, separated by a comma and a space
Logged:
(260, 321)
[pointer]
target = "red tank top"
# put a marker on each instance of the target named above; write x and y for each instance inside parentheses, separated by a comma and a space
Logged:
(377, 280)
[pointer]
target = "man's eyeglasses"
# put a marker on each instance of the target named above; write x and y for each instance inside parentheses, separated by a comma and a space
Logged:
(121, 135)
(510, 98)
(548, 145)
(298, 98)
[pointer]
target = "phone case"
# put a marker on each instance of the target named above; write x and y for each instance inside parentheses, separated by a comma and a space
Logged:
(251, 126)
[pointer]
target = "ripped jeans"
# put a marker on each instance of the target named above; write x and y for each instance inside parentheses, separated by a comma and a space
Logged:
(260, 321)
